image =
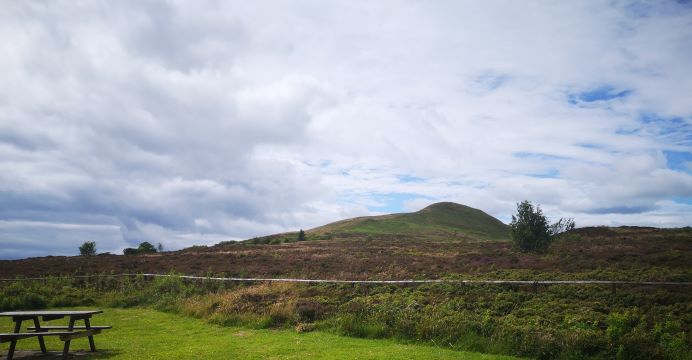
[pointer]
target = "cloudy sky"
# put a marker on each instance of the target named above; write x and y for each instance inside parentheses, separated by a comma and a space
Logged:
(193, 122)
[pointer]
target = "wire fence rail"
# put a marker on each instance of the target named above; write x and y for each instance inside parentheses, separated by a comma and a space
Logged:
(393, 282)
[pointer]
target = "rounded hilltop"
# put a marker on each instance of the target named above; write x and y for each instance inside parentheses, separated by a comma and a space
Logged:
(441, 219)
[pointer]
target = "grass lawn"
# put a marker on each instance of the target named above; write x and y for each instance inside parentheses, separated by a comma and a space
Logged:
(149, 334)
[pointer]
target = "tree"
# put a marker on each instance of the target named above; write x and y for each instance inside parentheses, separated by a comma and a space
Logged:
(88, 248)
(562, 225)
(146, 247)
(531, 230)
(301, 235)
(143, 248)
(159, 247)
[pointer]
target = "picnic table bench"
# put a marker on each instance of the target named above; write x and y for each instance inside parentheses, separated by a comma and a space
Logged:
(66, 333)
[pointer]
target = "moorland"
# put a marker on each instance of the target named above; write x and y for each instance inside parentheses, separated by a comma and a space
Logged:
(443, 241)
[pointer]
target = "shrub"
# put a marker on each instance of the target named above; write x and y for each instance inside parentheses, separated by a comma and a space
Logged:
(281, 314)
(130, 251)
(354, 326)
(32, 301)
(64, 300)
(143, 248)
(620, 324)
(88, 248)
(26, 301)
(309, 311)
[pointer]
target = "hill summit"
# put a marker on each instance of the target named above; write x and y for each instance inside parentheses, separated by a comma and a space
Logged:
(439, 219)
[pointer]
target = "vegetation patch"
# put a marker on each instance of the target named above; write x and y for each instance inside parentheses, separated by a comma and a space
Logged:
(559, 321)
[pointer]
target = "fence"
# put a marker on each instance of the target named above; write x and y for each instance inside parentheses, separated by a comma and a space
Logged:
(534, 283)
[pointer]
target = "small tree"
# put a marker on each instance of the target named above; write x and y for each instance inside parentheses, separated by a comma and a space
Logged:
(159, 247)
(562, 225)
(146, 247)
(88, 248)
(531, 230)
(301, 235)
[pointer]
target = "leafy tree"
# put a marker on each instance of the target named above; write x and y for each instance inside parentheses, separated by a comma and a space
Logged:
(159, 247)
(88, 248)
(301, 235)
(146, 247)
(531, 230)
(143, 248)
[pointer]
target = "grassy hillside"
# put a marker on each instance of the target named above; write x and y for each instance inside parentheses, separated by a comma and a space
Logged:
(441, 219)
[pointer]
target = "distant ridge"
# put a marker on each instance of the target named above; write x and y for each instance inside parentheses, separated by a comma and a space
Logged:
(439, 219)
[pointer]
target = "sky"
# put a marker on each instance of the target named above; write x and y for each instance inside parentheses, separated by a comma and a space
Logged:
(194, 122)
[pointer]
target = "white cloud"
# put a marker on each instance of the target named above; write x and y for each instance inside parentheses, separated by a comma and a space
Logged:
(192, 122)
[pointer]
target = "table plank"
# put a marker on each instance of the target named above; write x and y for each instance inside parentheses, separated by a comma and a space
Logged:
(51, 313)
(64, 327)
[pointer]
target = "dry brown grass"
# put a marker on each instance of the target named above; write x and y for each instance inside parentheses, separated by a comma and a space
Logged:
(276, 300)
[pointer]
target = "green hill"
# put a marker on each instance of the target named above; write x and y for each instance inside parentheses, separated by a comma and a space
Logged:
(440, 219)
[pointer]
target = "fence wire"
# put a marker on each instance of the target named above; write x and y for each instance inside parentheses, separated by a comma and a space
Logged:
(393, 282)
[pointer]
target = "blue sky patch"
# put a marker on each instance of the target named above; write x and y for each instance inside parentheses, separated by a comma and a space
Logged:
(639, 9)
(590, 146)
(671, 130)
(675, 130)
(410, 179)
(623, 210)
(548, 174)
(687, 200)
(679, 160)
(603, 93)
(626, 131)
(651, 118)
(538, 156)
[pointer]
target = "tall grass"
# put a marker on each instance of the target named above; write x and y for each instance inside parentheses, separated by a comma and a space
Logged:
(565, 322)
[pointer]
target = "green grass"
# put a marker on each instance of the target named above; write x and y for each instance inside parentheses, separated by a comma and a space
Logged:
(444, 218)
(149, 334)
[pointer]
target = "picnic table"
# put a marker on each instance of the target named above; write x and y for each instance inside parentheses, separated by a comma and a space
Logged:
(66, 333)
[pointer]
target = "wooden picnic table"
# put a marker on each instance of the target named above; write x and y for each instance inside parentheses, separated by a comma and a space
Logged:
(66, 333)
